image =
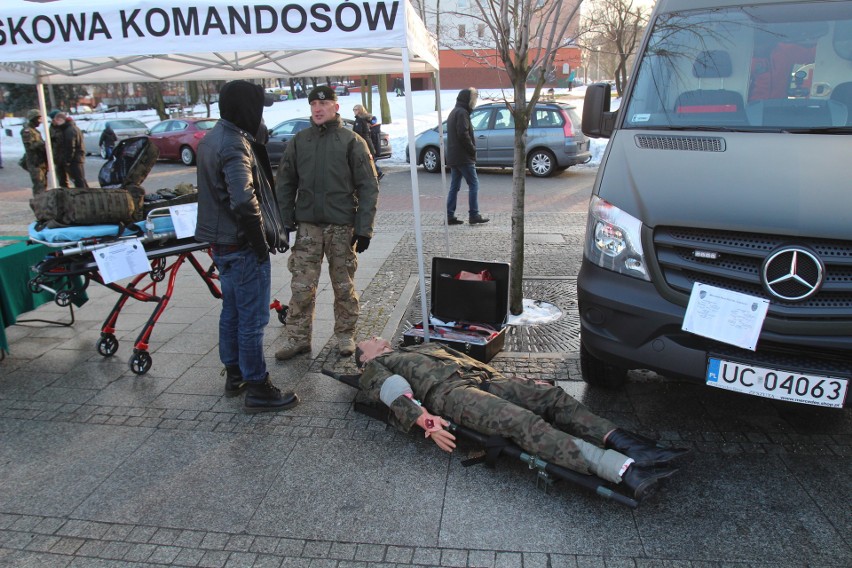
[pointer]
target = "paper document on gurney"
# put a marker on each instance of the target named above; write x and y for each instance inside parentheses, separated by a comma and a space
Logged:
(122, 260)
(184, 218)
(725, 315)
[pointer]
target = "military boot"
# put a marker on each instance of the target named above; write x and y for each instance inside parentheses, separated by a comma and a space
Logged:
(477, 219)
(643, 482)
(292, 348)
(345, 345)
(644, 451)
(234, 382)
(263, 396)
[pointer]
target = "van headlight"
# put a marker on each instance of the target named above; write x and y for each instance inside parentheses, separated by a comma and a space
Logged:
(613, 240)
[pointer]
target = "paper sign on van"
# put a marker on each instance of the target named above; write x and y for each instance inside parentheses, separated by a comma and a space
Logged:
(723, 315)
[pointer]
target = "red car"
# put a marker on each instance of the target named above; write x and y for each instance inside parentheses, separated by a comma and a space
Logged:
(178, 138)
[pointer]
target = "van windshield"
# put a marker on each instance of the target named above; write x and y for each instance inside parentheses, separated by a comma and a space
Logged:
(753, 68)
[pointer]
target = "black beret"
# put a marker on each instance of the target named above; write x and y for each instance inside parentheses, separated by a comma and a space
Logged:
(322, 93)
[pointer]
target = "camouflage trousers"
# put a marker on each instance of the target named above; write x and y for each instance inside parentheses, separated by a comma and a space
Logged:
(39, 178)
(542, 419)
(313, 242)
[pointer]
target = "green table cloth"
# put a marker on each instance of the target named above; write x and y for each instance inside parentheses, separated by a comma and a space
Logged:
(15, 273)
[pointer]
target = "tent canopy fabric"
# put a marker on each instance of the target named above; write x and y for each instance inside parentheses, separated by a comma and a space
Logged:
(104, 41)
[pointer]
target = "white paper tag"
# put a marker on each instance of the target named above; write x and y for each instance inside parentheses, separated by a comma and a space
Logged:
(184, 218)
(724, 315)
(122, 260)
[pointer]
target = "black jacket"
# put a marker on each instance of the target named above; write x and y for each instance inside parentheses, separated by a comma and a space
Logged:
(236, 204)
(108, 138)
(362, 128)
(461, 145)
(70, 147)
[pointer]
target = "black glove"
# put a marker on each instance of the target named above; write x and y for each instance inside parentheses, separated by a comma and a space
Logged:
(360, 243)
(284, 245)
(257, 242)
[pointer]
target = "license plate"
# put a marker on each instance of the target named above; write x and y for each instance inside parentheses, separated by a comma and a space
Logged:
(776, 383)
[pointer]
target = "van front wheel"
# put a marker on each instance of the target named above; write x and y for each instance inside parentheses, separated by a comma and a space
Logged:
(541, 163)
(599, 373)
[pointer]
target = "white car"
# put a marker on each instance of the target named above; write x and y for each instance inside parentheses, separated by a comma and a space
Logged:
(123, 128)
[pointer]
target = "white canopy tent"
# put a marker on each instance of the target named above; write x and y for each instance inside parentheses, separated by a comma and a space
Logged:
(101, 41)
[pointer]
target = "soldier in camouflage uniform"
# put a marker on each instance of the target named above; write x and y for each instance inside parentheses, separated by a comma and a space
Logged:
(36, 153)
(327, 190)
(540, 418)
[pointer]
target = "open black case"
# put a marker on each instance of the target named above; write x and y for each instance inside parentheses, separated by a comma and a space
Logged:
(476, 309)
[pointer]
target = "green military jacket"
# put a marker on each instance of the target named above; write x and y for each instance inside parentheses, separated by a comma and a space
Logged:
(36, 151)
(423, 366)
(326, 175)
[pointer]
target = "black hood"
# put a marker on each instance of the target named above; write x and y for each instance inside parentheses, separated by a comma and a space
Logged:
(467, 98)
(241, 103)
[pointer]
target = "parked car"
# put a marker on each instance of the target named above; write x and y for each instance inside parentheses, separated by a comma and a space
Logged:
(282, 133)
(554, 139)
(178, 138)
(123, 128)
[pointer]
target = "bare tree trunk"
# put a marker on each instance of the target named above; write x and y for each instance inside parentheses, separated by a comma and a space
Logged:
(519, 181)
(383, 99)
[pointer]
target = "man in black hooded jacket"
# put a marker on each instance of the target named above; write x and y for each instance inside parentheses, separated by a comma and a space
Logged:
(238, 214)
(461, 158)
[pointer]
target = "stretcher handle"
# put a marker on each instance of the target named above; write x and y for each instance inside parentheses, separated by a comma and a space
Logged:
(590, 482)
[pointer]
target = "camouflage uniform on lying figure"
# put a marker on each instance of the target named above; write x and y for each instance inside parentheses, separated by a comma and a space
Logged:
(540, 418)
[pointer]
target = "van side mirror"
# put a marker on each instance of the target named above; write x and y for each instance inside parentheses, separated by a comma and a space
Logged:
(598, 121)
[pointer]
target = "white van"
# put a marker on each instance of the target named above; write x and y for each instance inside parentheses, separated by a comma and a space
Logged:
(726, 190)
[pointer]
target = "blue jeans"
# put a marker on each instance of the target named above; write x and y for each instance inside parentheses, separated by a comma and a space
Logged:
(246, 290)
(468, 172)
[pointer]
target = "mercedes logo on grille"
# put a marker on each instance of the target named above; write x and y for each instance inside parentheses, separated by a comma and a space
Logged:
(792, 273)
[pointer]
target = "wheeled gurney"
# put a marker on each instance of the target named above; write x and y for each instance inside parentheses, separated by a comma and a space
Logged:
(546, 472)
(73, 256)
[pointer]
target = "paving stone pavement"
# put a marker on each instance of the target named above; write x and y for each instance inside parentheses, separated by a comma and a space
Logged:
(101, 467)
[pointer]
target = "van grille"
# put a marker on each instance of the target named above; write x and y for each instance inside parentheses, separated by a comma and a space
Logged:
(665, 142)
(739, 257)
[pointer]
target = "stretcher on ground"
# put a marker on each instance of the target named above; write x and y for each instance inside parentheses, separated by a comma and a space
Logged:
(494, 446)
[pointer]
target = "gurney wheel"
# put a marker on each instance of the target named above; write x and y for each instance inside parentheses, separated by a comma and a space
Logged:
(63, 298)
(34, 285)
(158, 270)
(107, 345)
(140, 362)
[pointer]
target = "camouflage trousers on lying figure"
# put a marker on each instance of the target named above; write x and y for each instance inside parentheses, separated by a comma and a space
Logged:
(313, 242)
(543, 420)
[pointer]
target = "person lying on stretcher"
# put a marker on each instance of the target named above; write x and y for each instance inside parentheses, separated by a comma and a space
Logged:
(540, 418)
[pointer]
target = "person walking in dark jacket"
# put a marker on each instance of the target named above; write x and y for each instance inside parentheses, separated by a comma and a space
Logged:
(541, 418)
(70, 152)
(238, 215)
(108, 140)
(364, 127)
(461, 158)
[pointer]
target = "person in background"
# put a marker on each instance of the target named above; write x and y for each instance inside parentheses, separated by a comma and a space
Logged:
(328, 192)
(238, 215)
(416, 381)
(69, 152)
(364, 123)
(108, 140)
(461, 158)
(35, 151)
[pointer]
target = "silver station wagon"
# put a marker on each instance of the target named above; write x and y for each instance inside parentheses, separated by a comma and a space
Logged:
(554, 139)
